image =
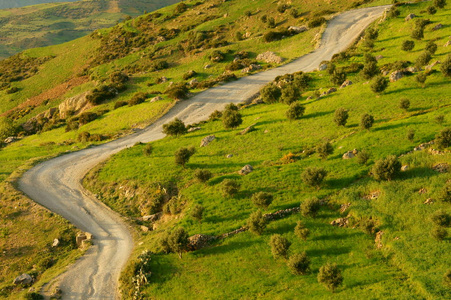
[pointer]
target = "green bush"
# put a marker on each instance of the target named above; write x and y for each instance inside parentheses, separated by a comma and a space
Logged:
(366, 121)
(301, 231)
(431, 47)
(177, 91)
(202, 175)
(289, 94)
(310, 207)
(180, 8)
(183, 155)
(231, 119)
(178, 241)
(371, 33)
(295, 111)
(443, 139)
(363, 156)
(446, 66)
(216, 56)
(423, 59)
(447, 279)
(387, 168)
(421, 78)
(120, 104)
(338, 77)
(7, 128)
(148, 149)
(175, 128)
(279, 246)
(256, 222)
(101, 93)
(404, 104)
(341, 116)
(379, 84)
(370, 70)
(119, 77)
(189, 74)
(318, 21)
(262, 199)
(138, 98)
(330, 276)
(313, 176)
(230, 187)
(86, 117)
(324, 150)
(439, 119)
(407, 45)
(440, 3)
(270, 93)
(216, 115)
(431, 10)
(411, 135)
(197, 212)
(417, 33)
(299, 264)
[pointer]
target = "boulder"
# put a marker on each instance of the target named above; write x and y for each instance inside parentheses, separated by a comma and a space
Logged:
(144, 228)
(193, 82)
(56, 243)
(229, 156)
(246, 170)
(378, 239)
(297, 29)
(270, 57)
(155, 99)
(340, 222)
(410, 17)
(346, 83)
(80, 238)
(248, 129)
(448, 43)
(437, 27)
(50, 113)
(24, 279)
(404, 168)
(322, 67)
(344, 207)
(152, 218)
(76, 105)
(329, 91)
(192, 129)
(395, 76)
(413, 69)
(10, 140)
(348, 155)
(207, 66)
(199, 241)
(428, 201)
(379, 57)
(422, 191)
(207, 140)
(441, 168)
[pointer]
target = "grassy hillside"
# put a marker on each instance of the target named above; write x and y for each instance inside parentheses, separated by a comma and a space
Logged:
(12, 3)
(410, 263)
(55, 23)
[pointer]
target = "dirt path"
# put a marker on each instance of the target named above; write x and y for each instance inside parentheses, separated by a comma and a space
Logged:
(56, 183)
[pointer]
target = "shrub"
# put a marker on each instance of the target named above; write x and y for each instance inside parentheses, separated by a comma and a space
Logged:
(447, 279)
(313, 176)
(301, 81)
(439, 233)
(370, 70)
(33, 296)
(271, 22)
(119, 77)
(174, 128)
(148, 149)
(138, 98)
(83, 136)
(441, 218)
(404, 104)
(177, 91)
(294, 13)
(183, 155)
(423, 59)
(446, 67)
(262, 199)
(421, 78)
(310, 207)
(248, 13)
(231, 119)
(440, 3)
(216, 115)
(393, 12)
(379, 84)
(341, 116)
(330, 276)
(295, 111)
(289, 94)
(338, 77)
(180, 8)
(264, 18)
(387, 168)
(6, 128)
(371, 33)
(431, 47)
(368, 226)
(270, 93)
(279, 246)
(443, 139)
(299, 264)
(197, 212)
(216, 56)
(281, 8)
(178, 241)
(439, 119)
(230, 187)
(256, 222)
(417, 33)
(189, 74)
(12, 90)
(202, 175)
(119, 104)
(445, 194)
(366, 122)
(101, 93)
(272, 36)
(324, 149)
(411, 135)
(318, 21)
(407, 45)
(363, 156)
(301, 231)
(431, 10)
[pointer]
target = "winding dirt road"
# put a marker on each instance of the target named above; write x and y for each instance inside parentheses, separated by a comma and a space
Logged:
(56, 184)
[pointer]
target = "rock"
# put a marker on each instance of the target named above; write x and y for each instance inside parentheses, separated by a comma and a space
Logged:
(340, 222)
(246, 170)
(50, 112)
(422, 191)
(429, 67)
(346, 83)
(229, 155)
(413, 69)
(207, 140)
(348, 155)
(322, 67)
(438, 26)
(152, 218)
(428, 201)
(24, 279)
(162, 79)
(344, 207)
(155, 99)
(379, 57)
(80, 238)
(448, 43)
(395, 76)
(76, 105)
(297, 29)
(207, 66)
(435, 152)
(410, 17)
(193, 82)
(248, 129)
(56, 243)
(329, 91)
(378, 239)
(384, 73)
(281, 213)
(441, 168)
(192, 129)
(270, 57)
(266, 131)
(144, 228)
(372, 195)
(251, 68)
(10, 140)
(199, 241)
(404, 168)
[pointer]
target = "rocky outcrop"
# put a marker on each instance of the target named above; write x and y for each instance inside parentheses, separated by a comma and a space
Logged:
(297, 29)
(10, 140)
(199, 241)
(248, 129)
(378, 239)
(270, 57)
(350, 154)
(329, 91)
(207, 140)
(246, 170)
(340, 222)
(251, 68)
(76, 105)
(346, 83)
(396, 75)
(410, 17)
(23, 279)
(322, 67)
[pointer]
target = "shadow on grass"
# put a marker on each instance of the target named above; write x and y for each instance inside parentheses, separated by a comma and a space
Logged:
(419, 172)
(331, 251)
(335, 237)
(162, 270)
(223, 249)
(318, 114)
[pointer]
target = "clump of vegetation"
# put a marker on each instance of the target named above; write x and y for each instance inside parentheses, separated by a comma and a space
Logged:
(102, 93)
(202, 175)
(183, 155)
(7, 128)
(423, 59)
(446, 67)
(148, 149)
(310, 207)
(341, 116)
(256, 223)
(363, 156)
(404, 104)
(411, 135)
(338, 77)
(299, 264)
(330, 276)
(439, 233)
(197, 212)
(301, 231)
(366, 122)
(324, 149)
(295, 111)
(262, 199)
(177, 91)
(445, 193)
(270, 93)
(177, 241)
(318, 21)
(175, 128)
(441, 218)
(447, 279)
(231, 118)
(379, 84)
(230, 187)
(313, 176)
(279, 246)
(387, 168)
(289, 94)
(138, 98)
(443, 139)
(407, 45)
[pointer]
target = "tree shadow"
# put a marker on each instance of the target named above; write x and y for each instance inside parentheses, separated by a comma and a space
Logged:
(335, 237)
(329, 251)
(317, 114)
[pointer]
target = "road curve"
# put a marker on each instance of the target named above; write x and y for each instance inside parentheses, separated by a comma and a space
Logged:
(56, 184)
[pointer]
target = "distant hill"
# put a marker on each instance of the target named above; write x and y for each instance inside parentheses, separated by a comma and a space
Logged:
(54, 23)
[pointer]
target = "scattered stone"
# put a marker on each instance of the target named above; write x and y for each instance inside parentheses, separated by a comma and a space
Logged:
(372, 196)
(155, 99)
(378, 239)
(56, 243)
(193, 82)
(413, 69)
(395, 76)
(379, 57)
(199, 241)
(24, 279)
(422, 191)
(281, 213)
(266, 131)
(207, 140)
(207, 66)
(410, 17)
(297, 29)
(229, 155)
(248, 129)
(438, 26)
(246, 170)
(144, 228)
(329, 91)
(10, 140)
(251, 68)
(346, 83)
(340, 222)
(448, 43)
(322, 67)
(344, 207)
(348, 155)
(270, 57)
(192, 129)
(435, 151)
(428, 201)
(441, 168)
(429, 67)
(404, 168)
(162, 79)
(152, 218)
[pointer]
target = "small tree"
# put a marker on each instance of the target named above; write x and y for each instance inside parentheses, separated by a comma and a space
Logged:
(411, 135)
(338, 77)
(279, 246)
(447, 279)
(6, 128)
(341, 116)
(296, 111)
(423, 59)
(270, 93)
(197, 212)
(407, 45)
(231, 119)
(366, 122)
(313, 176)
(417, 33)
(202, 175)
(445, 194)
(440, 3)
(174, 128)
(441, 218)
(183, 155)
(387, 168)
(324, 150)
(262, 199)
(310, 207)
(431, 10)
(148, 149)
(289, 94)
(230, 187)
(301, 231)
(431, 47)
(256, 222)
(299, 264)
(330, 276)
(370, 70)
(446, 67)
(421, 78)
(178, 241)
(443, 139)
(363, 156)
(379, 84)
(439, 119)
(404, 104)
(439, 233)
(371, 33)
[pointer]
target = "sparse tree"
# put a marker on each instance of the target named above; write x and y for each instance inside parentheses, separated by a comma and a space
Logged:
(313, 176)
(423, 59)
(270, 93)
(379, 84)
(174, 128)
(440, 119)
(363, 156)
(417, 33)
(299, 264)
(301, 231)
(330, 276)
(411, 135)
(6, 128)
(440, 3)
(407, 45)
(262, 199)
(202, 175)
(178, 241)
(338, 77)
(295, 111)
(324, 150)
(439, 233)
(371, 33)
(148, 149)
(431, 10)
(431, 47)
(289, 94)
(183, 155)
(310, 207)
(231, 119)
(446, 67)
(197, 212)
(366, 122)
(341, 116)
(387, 168)
(230, 187)
(279, 246)
(256, 222)
(421, 78)
(443, 139)
(404, 104)
(370, 70)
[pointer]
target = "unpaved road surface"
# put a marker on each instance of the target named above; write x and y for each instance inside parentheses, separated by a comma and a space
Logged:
(56, 183)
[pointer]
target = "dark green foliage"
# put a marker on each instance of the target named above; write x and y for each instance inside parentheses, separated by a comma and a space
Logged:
(423, 59)
(330, 276)
(216, 115)
(411, 135)
(338, 77)
(313, 176)
(231, 119)
(101, 93)
(262, 199)
(256, 222)
(443, 139)
(87, 117)
(19, 67)
(366, 121)
(216, 56)
(407, 45)
(177, 91)
(180, 8)
(446, 66)
(279, 246)
(301, 231)
(281, 8)
(271, 22)
(83, 136)
(230, 187)
(439, 119)
(270, 93)
(7, 128)
(370, 70)
(393, 12)
(138, 98)
(441, 218)
(431, 10)
(331, 67)
(440, 3)
(310, 207)
(421, 78)
(197, 212)
(163, 242)
(341, 116)
(445, 193)
(272, 36)
(447, 279)
(318, 21)
(368, 226)
(119, 77)
(439, 233)
(417, 33)
(294, 13)
(119, 104)
(289, 94)
(296, 111)
(148, 149)
(363, 156)
(386, 168)
(248, 13)
(183, 155)
(231, 107)
(299, 264)
(12, 90)
(202, 175)
(34, 296)
(178, 241)
(174, 128)
(404, 104)
(431, 47)
(189, 74)
(371, 33)
(264, 18)
(324, 150)
(379, 84)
